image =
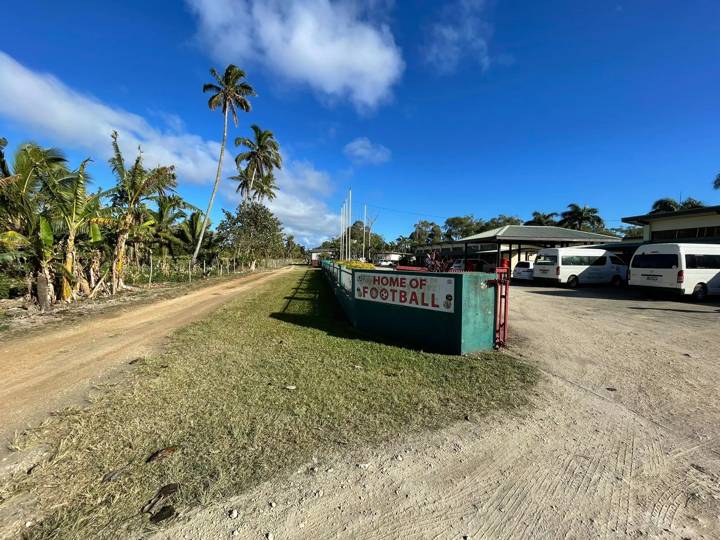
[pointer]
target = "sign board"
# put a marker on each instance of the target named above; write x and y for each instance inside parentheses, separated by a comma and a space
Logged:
(436, 293)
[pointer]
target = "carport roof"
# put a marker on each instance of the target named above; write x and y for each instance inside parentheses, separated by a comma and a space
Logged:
(537, 233)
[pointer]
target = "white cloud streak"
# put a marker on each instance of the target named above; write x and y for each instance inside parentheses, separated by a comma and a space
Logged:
(461, 32)
(41, 102)
(362, 151)
(340, 49)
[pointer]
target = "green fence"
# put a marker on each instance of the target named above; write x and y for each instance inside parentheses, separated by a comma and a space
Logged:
(447, 312)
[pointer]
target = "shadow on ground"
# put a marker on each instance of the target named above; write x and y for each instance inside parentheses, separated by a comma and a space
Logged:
(312, 304)
(622, 293)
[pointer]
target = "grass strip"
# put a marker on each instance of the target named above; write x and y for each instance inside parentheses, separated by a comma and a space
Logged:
(252, 391)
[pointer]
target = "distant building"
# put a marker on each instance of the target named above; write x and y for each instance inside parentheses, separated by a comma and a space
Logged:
(692, 225)
(485, 250)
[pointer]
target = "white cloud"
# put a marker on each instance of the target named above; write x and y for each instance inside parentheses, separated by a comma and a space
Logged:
(299, 204)
(362, 151)
(341, 49)
(460, 32)
(41, 102)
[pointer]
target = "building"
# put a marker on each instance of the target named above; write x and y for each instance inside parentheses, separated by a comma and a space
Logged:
(691, 225)
(512, 242)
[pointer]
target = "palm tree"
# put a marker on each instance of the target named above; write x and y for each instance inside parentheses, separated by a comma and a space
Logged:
(666, 204)
(170, 210)
(539, 218)
(690, 203)
(669, 204)
(581, 217)
(134, 187)
(262, 157)
(230, 92)
(78, 213)
(264, 188)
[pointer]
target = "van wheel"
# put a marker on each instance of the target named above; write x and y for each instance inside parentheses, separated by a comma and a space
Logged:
(700, 292)
(573, 282)
(616, 281)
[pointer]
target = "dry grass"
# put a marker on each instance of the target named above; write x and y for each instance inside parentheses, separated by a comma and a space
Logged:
(219, 395)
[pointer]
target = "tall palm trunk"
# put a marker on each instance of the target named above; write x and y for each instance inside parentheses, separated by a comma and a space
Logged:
(215, 188)
(69, 265)
(252, 180)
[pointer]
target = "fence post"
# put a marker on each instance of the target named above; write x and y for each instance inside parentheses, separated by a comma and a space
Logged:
(151, 270)
(190, 270)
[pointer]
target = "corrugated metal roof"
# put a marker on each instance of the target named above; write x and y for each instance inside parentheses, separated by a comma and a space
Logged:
(537, 233)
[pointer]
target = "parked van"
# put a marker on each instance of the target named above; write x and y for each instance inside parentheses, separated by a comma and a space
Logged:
(523, 270)
(579, 266)
(680, 268)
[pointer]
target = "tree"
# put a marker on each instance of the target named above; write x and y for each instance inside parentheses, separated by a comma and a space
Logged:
(230, 93)
(134, 187)
(261, 158)
(27, 225)
(78, 211)
(251, 232)
(716, 183)
(500, 221)
(539, 218)
(165, 223)
(459, 227)
(581, 218)
(425, 232)
(669, 204)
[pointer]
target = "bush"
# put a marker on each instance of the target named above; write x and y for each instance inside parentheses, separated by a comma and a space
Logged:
(357, 264)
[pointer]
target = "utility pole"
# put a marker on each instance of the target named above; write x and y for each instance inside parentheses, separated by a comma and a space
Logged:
(350, 224)
(341, 253)
(364, 224)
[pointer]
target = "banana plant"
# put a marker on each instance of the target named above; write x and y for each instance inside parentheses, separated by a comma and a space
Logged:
(26, 220)
(135, 185)
(78, 213)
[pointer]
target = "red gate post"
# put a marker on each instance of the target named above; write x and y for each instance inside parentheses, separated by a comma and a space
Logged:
(502, 303)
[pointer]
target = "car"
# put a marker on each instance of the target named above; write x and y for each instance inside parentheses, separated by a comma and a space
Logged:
(523, 271)
(384, 263)
(692, 269)
(573, 266)
(458, 265)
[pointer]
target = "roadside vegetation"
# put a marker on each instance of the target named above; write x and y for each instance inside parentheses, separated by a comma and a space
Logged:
(62, 240)
(251, 393)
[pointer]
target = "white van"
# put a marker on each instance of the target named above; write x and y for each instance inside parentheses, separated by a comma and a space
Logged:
(681, 268)
(579, 266)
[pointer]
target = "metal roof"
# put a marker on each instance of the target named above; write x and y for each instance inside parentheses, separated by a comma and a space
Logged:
(537, 233)
(646, 218)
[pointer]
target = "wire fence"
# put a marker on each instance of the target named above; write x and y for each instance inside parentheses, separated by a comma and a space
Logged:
(180, 269)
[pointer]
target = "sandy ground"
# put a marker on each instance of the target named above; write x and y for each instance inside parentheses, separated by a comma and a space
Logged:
(56, 367)
(623, 441)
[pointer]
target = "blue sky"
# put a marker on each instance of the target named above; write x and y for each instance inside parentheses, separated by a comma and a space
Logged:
(427, 109)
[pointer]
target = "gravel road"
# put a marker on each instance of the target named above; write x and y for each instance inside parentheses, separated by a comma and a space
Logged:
(623, 440)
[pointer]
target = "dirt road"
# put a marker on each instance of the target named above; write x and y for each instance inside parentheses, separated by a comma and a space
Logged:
(56, 367)
(624, 441)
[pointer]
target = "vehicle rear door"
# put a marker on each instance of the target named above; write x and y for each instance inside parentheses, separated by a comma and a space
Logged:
(655, 269)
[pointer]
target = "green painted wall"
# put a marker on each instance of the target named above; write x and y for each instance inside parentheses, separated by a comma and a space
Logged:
(470, 328)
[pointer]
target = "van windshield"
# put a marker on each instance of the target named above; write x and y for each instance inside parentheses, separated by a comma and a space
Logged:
(655, 260)
(546, 260)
